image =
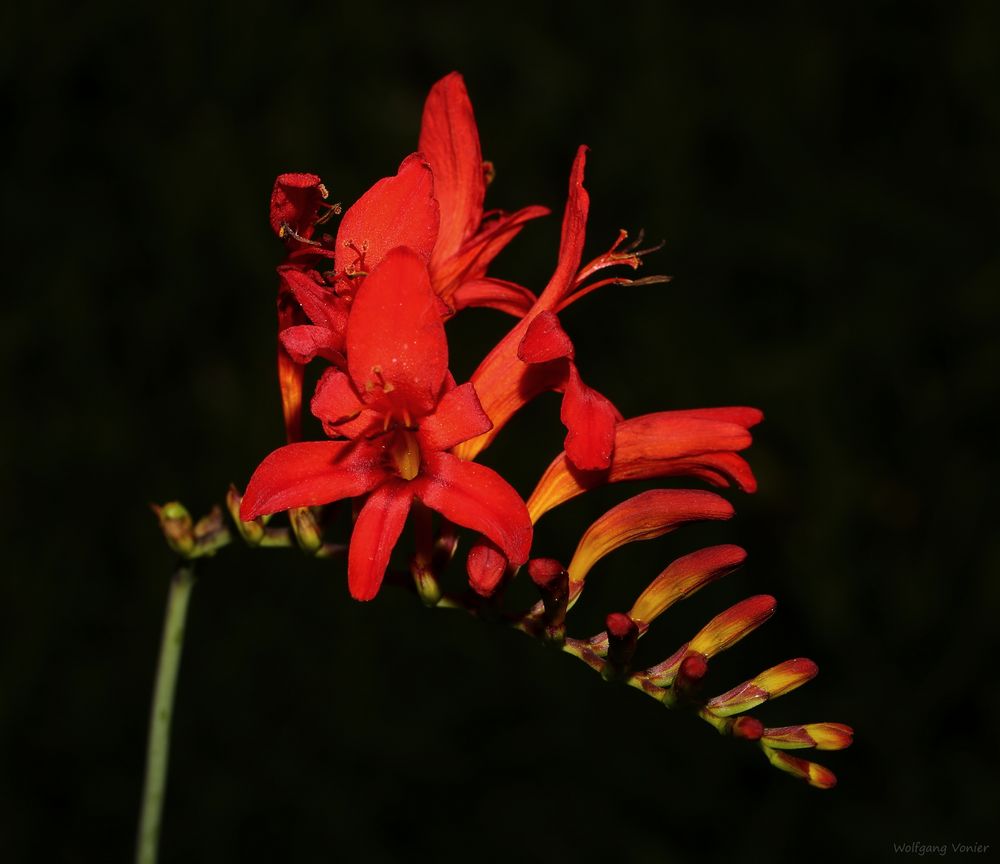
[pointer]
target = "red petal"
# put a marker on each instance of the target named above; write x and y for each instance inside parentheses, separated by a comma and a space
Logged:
(311, 473)
(545, 340)
(307, 341)
(590, 419)
(493, 294)
(485, 565)
(476, 497)
(295, 202)
(379, 525)
(395, 339)
(318, 301)
(335, 403)
(449, 141)
(653, 445)
(458, 417)
(574, 229)
(396, 211)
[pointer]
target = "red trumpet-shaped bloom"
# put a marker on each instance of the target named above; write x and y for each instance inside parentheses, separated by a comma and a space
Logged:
(537, 354)
(396, 412)
(469, 239)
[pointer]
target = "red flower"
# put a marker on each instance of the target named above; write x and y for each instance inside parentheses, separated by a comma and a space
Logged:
(398, 413)
(469, 239)
(312, 306)
(537, 355)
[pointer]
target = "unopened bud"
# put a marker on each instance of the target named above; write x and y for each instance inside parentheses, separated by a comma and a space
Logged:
(177, 527)
(748, 728)
(693, 668)
(623, 636)
(552, 581)
(252, 532)
(306, 529)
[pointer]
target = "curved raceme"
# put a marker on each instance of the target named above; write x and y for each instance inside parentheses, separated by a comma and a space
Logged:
(397, 436)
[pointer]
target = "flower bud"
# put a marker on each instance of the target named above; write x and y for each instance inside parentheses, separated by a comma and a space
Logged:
(177, 527)
(623, 635)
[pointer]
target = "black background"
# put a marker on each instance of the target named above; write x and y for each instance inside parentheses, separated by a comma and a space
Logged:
(827, 186)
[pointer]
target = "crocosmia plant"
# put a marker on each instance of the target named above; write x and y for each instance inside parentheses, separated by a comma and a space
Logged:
(398, 437)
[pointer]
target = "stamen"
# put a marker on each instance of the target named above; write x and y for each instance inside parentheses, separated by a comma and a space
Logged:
(287, 230)
(628, 256)
(358, 266)
(331, 210)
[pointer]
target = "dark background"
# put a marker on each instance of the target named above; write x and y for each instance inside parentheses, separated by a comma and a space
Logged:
(827, 187)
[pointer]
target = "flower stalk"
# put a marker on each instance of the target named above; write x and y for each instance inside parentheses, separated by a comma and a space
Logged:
(161, 714)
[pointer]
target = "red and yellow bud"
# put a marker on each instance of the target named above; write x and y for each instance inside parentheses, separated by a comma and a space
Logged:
(815, 775)
(729, 627)
(643, 517)
(817, 736)
(683, 578)
(770, 684)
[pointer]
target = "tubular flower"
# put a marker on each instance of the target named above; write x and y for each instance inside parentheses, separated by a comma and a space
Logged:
(396, 413)
(537, 354)
(469, 239)
(699, 443)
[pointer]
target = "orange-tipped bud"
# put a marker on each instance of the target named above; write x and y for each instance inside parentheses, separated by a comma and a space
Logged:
(770, 684)
(818, 736)
(727, 628)
(643, 517)
(685, 576)
(815, 775)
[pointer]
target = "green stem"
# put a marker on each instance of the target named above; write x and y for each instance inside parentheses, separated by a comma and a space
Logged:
(162, 714)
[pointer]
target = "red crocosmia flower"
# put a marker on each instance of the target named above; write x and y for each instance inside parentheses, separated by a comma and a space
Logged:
(469, 239)
(313, 306)
(398, 413)
(537, 355)
(699, 443)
